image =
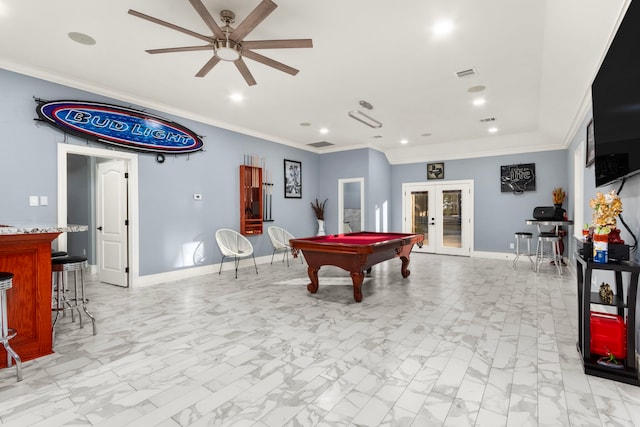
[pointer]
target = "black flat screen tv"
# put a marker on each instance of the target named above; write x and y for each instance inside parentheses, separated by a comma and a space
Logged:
(615, 94)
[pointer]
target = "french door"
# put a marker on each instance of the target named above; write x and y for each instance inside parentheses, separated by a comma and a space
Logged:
(442, 213)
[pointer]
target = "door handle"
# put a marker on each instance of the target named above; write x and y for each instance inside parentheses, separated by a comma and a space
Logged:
(100, 228)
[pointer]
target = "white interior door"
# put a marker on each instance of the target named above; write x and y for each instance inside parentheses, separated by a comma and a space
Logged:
(442, 213)
(111, 221)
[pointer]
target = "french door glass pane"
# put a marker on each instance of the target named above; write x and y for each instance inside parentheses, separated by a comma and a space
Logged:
(420, 220)
(452, 224)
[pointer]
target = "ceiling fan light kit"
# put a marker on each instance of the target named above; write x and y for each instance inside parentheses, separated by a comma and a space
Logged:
(228, 43)
(226, 50)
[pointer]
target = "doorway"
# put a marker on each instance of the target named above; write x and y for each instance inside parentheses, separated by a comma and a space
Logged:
(442, 213)
(350, 205)
(109, 255)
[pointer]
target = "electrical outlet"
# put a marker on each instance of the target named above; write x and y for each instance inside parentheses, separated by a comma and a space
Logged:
(512, 246)
(44, 201)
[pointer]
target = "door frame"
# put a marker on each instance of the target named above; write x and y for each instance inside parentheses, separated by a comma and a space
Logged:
(468, 207)
(131, 160)
(341, 183)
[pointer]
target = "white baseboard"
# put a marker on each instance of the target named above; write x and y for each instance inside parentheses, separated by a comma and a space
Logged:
(186, 273)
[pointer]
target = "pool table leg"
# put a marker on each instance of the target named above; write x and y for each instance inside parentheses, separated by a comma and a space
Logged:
(357, 278)
(405, 263)
(313, 275)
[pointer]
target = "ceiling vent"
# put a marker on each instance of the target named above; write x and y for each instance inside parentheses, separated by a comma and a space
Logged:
(321, 144)
(488, 119)
(470, 72)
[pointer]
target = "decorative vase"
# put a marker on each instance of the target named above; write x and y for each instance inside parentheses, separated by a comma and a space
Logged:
(320, 228)
(601, 248)
(614, 236)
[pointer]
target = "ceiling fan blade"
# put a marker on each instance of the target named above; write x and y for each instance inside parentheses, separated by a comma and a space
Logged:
(250, 22)
(179, 49)
(242, 67)
(207, 18)
(277, 44)
(208, 66)
(270, 62)
(169, 25)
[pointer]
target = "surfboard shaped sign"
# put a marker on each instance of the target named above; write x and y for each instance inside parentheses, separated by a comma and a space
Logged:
(119, 126)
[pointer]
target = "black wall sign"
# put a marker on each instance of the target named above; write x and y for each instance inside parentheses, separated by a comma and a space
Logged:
(518, 178)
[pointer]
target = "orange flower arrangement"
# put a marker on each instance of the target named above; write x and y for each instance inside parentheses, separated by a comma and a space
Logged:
(606, 207)
(558, 195)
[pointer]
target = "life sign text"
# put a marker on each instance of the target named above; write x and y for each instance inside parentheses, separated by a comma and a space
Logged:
(120, 126)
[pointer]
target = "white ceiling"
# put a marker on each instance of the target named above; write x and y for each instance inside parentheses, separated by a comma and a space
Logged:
(536, 58)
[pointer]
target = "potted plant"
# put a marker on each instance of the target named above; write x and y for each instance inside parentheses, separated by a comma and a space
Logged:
(318, 210)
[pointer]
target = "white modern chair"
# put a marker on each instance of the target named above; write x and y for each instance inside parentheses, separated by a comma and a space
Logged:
(234, 244)
(280, 241)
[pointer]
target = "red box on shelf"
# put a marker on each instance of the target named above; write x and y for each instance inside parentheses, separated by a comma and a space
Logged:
(608, 334)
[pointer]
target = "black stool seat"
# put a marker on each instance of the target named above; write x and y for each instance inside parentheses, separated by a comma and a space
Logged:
(69, 259)
(56, 254)
(523, 234)
(548, 234)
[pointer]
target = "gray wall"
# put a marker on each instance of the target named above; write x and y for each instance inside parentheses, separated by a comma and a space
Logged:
(497, 215)
(170, 220)
(334, 166)
(79, 197)
(378, 189)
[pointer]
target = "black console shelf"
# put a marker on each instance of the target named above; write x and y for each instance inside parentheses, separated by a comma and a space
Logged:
(622, 301)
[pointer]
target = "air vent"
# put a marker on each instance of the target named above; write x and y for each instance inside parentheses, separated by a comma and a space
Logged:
(488, 119)
(321, 144)
(467, 73)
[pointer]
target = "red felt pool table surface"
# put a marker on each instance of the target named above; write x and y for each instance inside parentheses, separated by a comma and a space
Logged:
(355, 253)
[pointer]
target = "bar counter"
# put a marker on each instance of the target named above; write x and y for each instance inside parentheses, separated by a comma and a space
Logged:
(25, 251)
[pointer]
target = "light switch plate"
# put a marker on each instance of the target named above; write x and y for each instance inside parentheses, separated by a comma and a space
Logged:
(44, 200)
(33, 200)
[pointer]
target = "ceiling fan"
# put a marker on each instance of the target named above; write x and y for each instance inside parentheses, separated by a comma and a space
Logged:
(227, 43)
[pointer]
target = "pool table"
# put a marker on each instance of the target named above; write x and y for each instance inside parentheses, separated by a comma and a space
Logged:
(355, 253)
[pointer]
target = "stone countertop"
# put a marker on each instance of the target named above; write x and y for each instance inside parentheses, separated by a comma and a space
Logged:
(34, 229)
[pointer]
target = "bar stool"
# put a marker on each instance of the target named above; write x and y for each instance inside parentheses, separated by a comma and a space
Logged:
(6, 282)
(523, 235)
(552, 239)
(56, 254)
(60, 266)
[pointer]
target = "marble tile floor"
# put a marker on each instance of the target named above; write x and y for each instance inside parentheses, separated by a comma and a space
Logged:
(462, 342)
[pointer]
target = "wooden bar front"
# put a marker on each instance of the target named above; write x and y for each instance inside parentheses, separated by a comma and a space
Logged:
(28, 257)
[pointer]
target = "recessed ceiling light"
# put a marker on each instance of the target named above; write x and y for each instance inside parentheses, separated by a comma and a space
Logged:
(404, 141)
(236, 97)
(443, 28)
(479, 101)
(324, 131)
(493, 130)
(82, 38)
(305, 124)
(478, 88)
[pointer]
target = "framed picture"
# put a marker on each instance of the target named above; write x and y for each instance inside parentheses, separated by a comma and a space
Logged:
(435, 170)
(591, 148)
(292, 179)
(518, 178)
